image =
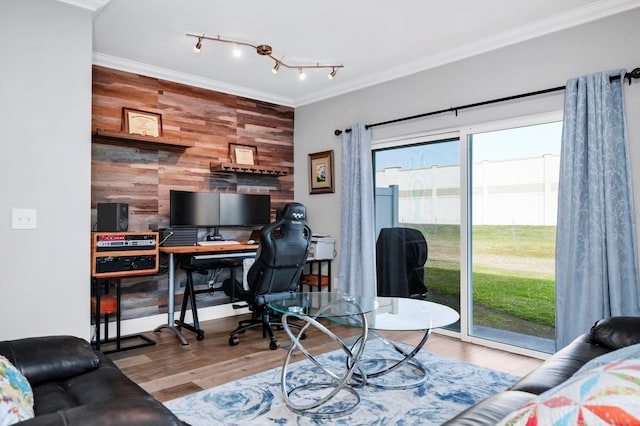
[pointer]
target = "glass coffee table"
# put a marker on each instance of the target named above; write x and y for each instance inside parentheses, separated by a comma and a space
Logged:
(370, 315)
(309, 398)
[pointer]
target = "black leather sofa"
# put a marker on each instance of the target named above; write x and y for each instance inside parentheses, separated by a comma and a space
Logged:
(75, 385)
(605, 336)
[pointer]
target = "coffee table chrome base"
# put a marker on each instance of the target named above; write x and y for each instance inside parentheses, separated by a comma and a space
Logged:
(338, 382)
(408, 358)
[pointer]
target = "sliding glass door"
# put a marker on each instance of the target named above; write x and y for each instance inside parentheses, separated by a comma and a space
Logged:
(513, 203)
(418, 186)
(486, 202)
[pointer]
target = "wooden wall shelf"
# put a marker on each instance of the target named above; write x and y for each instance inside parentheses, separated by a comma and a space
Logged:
(249, 169)
(110, 135)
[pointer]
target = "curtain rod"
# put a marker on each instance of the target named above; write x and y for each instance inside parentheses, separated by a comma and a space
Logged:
(633, 74)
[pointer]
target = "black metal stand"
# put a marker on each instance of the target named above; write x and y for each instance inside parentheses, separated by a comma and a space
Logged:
(189, 297)
(118, 339)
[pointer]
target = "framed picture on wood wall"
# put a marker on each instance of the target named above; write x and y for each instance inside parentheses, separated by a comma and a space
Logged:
(321, 172)
(142, 122)
(243, 154)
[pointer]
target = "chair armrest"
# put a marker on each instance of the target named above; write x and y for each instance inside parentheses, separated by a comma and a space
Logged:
(616, 332)
(43, 359)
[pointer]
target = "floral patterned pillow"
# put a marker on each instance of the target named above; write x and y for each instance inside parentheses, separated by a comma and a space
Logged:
(16, 396)
(605, 395)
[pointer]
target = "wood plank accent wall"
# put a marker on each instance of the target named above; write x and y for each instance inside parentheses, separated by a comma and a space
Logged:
(141, 175)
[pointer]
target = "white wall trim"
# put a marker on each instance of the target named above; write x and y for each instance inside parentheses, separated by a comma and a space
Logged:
(109, 61)
(93, 5)
(149, 323)
(562, 21)
(578, 16)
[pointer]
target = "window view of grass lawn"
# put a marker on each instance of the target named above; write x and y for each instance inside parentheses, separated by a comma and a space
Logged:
(513, 274)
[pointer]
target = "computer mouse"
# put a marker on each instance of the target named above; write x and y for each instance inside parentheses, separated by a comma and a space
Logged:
(251, 242)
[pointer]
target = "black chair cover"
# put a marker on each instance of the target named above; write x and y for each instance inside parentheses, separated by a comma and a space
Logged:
(401, 254)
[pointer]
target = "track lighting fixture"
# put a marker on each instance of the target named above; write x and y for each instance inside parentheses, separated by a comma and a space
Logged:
(265, 50)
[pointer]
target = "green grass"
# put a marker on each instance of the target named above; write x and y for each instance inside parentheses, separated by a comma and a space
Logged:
(530, 299)
(513, 268)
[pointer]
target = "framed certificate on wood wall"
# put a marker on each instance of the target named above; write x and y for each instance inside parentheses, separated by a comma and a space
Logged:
(142, 122)
(243, 154)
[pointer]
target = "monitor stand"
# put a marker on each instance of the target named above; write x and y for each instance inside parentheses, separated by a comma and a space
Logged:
(216, 235)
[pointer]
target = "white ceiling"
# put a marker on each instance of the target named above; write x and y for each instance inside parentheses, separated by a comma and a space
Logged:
(375, 40)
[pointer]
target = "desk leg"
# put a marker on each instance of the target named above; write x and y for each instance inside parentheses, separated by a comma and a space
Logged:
(118, 316)
(170, 302)
(319, 276)
(97, 319)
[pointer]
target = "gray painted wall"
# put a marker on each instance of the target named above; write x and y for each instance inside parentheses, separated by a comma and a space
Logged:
(45, 117)
(541, 63)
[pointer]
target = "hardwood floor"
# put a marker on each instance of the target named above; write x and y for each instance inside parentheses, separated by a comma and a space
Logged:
(169, 370)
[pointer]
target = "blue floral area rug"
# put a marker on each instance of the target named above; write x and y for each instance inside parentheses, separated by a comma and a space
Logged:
(449, 388)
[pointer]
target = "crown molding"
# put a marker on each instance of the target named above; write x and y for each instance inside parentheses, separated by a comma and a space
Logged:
(572, 18)
(92, 5)
(575, 17)
(188, 79)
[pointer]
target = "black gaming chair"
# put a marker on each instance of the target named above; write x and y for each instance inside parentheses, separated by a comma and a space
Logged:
(400, 257)
(284, 246)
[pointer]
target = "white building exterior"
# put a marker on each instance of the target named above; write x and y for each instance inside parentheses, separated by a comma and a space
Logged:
(508, 192)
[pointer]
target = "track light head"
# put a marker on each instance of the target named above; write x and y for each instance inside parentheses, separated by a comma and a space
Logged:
(276, 67)
(198, 45)
(332, 73)
(236, 51)
(301, 74)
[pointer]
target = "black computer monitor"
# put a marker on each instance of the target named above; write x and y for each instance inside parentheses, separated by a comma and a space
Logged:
(194, 209)
(215, 209)
(245, 209)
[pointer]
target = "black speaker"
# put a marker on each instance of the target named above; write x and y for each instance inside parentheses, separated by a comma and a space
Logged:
(113, 217)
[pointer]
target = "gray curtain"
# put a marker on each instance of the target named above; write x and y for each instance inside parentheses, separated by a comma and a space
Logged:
(596, 256)
(357, 272)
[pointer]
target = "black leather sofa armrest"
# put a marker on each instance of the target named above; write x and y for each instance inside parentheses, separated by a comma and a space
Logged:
(43, 359)
(114, 412)
(562, 365)
(616, 332)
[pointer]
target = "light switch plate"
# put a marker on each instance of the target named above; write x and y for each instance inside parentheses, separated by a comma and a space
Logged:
(24, 218)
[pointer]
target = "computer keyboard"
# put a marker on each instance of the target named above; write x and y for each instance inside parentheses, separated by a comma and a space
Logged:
(217, 243)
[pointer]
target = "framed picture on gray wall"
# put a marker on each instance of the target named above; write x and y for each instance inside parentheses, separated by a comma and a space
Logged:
(321, 172)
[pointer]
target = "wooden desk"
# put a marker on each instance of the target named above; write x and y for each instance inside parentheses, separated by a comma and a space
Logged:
(229, 249)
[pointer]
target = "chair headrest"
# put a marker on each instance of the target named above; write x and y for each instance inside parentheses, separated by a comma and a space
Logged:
(294, 212)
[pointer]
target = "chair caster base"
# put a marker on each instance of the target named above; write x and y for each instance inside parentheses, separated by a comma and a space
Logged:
(233, 341)
(273, 345)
